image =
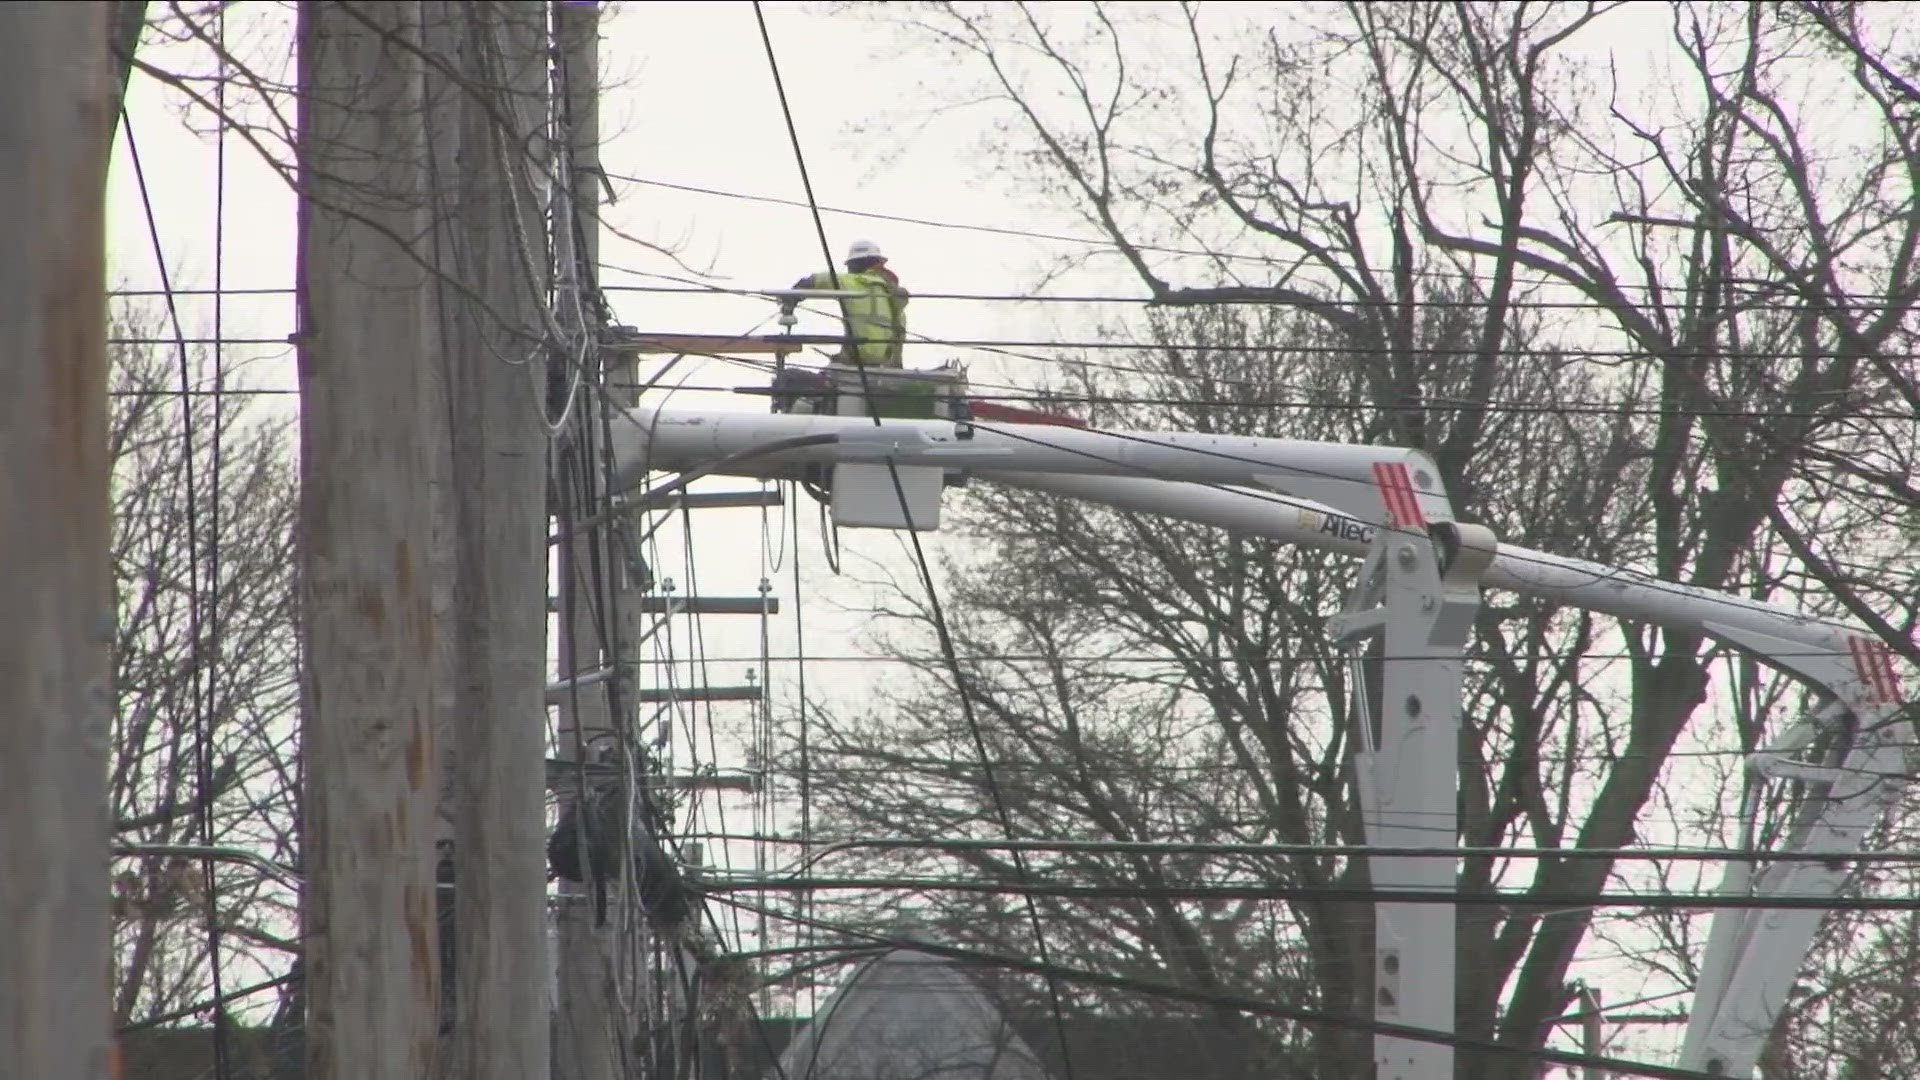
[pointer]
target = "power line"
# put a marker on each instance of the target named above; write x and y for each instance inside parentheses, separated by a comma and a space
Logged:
(683, 286)
(1644, 581)
(1555, 356)
(1346, 851)
(218, 1003)
(690, 287)
(1499, 406)
(1664, 901)
(919, 553)
(204, 764)
(1108, 243)
(1223, 768)
(1442, 405)
(1256, 1006)
(1285, 655)
(200, 682)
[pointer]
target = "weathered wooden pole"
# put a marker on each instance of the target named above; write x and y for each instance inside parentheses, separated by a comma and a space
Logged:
(495, 354)
(365, 580)
(56, 121)
(126, 20)
(587, 1030)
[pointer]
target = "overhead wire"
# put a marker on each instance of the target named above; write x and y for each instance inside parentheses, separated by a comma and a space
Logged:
(1288, 655)
(1596, 577)
(1311, 1017)
(959, 845)
(801, 655)
(686, 286)
(200, 681)
(1438, 405)
(805, 734)
(1558, 355)
(1510, 900)
(638, 788)
(572, 465)
(919, 554)
(701, 669)
(673, 844)
(1064, 399)
(204, 764)
(1057, 399)
(1016, 888)
(1162, 768)
(1100, 242)
(937, 622)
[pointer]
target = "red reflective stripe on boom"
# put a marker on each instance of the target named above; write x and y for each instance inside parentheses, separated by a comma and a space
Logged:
(1008, 414)
(1890, 675)
(1873, 662)
(1396, 491)
(1857, 648)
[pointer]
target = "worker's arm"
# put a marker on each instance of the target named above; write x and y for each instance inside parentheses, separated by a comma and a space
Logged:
(897, 296)
(787, 305)
(811, 281)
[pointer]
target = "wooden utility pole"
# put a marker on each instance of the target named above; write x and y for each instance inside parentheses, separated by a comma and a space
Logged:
(56, 117)
(494, 353)
(126, 20)
(587, 1030)
(364, 297)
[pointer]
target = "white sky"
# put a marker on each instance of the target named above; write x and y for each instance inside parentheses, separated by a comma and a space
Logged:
(689, 102)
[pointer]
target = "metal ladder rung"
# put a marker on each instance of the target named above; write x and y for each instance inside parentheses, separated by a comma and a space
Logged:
(657, 694)
(698, 605)
(709, 605)
(559, 692)
(564, 774)
(713, 500)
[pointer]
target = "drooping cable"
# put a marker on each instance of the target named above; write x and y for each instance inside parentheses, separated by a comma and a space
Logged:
(197, 679)
(924, 569)
(1252, 1006)
(1759, 289)
(588, 315)
(204, 758)
(805, 903)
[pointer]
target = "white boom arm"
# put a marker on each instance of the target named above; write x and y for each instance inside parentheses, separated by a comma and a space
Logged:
(1753, 954)
(1420, 590)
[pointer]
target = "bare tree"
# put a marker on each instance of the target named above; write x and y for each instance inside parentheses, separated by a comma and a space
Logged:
(229, 695)
(245, 84)
(1661, 329)
(1141, 679)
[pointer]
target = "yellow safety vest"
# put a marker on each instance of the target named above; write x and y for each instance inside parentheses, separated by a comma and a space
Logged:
(876, 321)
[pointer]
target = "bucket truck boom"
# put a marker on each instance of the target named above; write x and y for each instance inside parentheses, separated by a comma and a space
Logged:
(1420, 589)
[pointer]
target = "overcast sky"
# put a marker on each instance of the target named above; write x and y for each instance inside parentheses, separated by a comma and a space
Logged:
(690, 102)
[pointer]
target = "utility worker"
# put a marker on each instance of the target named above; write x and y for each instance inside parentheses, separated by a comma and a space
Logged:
(876, 320)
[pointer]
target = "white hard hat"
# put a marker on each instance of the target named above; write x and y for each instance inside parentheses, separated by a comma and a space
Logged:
(864, 249)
